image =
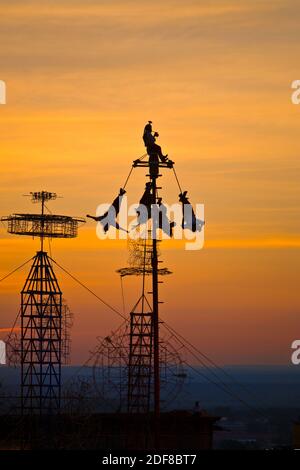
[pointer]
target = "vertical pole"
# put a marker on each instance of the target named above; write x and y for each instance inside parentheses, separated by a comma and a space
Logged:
(155, 322)
(41, 311)
(43, 212)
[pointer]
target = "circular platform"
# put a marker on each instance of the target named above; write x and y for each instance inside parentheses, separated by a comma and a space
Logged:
(136, 271)
(47, 225)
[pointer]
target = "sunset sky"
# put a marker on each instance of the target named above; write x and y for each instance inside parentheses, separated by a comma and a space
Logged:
(83, 78)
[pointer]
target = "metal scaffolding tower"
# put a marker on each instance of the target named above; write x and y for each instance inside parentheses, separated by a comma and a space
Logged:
(41, 339)
(140, 361)
(41, 311)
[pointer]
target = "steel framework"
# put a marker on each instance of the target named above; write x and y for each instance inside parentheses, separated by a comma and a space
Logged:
(41, 339)
(42, 314)
(140, 366)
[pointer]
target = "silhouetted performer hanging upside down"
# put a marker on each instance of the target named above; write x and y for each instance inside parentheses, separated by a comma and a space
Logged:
(148, 208)
(189, 219)
(164, 222)
(144, 209)
(149, 139)
(108, 219)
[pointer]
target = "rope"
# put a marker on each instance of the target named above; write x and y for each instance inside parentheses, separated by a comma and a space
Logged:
(177, 179)
(143, 156)
(16, 269)
(214, 364)
(13, 326)
(50, 248)
(221, 385)
(89, 290)
(47, 209)
(225, 389)
(126, 181)
(8, 338)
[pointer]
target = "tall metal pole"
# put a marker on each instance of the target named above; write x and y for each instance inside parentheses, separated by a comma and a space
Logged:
(155, 320)
(43, 222)
(154, 165)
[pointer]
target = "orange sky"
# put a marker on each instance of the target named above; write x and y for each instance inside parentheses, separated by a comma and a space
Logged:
(83, 78)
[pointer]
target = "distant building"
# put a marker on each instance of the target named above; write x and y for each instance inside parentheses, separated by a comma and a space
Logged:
(178, 430)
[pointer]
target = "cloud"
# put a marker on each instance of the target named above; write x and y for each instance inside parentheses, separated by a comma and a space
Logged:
(10, 330)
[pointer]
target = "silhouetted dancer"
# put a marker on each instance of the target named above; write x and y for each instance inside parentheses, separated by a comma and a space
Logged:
(108, 219)
(144, 209)
(189, 219)
(149, 139)
(163, 222)
(158, 213)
